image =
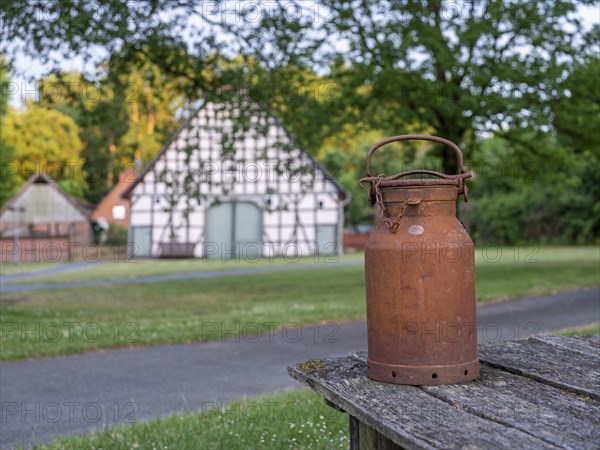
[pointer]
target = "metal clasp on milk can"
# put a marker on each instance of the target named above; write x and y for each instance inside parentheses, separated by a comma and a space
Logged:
(420, 278)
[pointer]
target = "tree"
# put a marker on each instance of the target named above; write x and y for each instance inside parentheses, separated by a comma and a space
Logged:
(100, 120)
(9, 182)
(150, 99)
(520, 200)
(50, 30)
(343, 156)
(46, 140)
(461, 69)
(524, 72)
(577, 111)
(124, 117)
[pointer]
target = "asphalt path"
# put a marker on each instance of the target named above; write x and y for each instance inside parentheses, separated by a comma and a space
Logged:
(44, 398)
(29, 286)
(52, 270)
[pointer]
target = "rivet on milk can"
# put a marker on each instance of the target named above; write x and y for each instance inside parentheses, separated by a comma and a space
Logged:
(420, 277)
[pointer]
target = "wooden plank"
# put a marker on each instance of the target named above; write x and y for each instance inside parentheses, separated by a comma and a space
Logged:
(354, 433)
(331, 405)
(407, 415)
(587, 345)
(551, 414)
(367, 437)
(569, 370)
(559, 417)
(370, 439)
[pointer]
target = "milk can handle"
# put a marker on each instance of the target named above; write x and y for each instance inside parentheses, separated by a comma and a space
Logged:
(375, 194)
(418, 137)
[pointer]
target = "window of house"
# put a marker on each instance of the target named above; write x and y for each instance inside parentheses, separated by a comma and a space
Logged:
(118, 212)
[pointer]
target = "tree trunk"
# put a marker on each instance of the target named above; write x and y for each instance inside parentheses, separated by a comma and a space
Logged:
(449, 159)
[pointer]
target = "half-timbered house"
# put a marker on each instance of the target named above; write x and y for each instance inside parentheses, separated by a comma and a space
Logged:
(231, 183)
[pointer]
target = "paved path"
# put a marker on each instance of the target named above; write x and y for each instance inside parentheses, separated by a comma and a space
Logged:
(175, 276)
(53, 270)
(67, 395)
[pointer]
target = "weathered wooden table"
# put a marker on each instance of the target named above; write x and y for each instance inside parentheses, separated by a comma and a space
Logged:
(540, 393)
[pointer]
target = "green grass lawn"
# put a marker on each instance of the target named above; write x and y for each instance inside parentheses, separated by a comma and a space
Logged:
(66, 321)
(508, 273)
(586, 330)
(287, 420)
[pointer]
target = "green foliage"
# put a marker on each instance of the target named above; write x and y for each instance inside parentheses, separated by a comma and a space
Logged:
(150, 99)
(470, 75)
(123, 117)
(73, 27)
(527, 73)
(116, 235)
(9, 181)
(455, 69)
(514, 217)
(302, 100)
(4, 81)
(345, 159)
(43, 136)
(524, 197)
(343, 156)
(73, 187)
(44, 140)
(577, 111)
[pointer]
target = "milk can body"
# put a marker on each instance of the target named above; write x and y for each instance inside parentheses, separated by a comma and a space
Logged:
(420, 285)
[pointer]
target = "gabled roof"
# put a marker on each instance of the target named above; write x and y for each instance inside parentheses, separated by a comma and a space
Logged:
(125, 177)
(267, 110)
(40, 177)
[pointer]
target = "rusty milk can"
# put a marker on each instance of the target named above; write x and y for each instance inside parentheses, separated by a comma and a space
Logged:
(420, 277)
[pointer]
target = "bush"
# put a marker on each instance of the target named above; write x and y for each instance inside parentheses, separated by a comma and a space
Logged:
(512, 217)
(116, 235)
(534, 213)
(551, 194)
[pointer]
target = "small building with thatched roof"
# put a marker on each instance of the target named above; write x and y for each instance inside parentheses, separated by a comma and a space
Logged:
(42, 223)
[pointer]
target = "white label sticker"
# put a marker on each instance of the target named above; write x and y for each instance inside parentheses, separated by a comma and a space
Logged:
(416, 229)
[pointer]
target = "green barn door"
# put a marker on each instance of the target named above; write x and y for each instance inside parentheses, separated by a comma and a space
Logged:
(142, 242)
(233, 229)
